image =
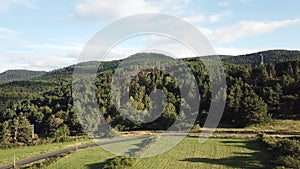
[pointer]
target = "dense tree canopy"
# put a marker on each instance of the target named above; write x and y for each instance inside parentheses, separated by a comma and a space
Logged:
(254, 95)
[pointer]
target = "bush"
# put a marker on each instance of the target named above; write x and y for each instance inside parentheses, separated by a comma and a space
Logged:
(267, 140)
(286, 147)
(118, 163)
(288, 161)
(196, 128)
(286, 152)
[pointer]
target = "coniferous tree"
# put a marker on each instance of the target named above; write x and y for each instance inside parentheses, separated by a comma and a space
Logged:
(253, 109)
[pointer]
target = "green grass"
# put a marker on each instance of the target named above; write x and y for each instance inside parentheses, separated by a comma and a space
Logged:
(7, 155)
(88, 158)
(214, 153)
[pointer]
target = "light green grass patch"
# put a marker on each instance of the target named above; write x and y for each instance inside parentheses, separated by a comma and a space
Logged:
(189, 154)
(7, 155)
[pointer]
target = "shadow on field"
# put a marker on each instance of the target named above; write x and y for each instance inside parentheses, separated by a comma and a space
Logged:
(131, 153)
(99, 165)
(139, 147)
(256, 159)
(95, 165)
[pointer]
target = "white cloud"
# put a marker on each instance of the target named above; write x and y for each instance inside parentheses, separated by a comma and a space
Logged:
(114, 8)
(7, 34)
(227, 3)
(218, 16)
(60, 51)
(195, 19)
(246, 28)
(6, 4)
(235, 51)
(243, 1)
(166, 44)
(40, 56)
(6, 30)
(95, 9)
(67, 47)
(33, 60)
(224, 3)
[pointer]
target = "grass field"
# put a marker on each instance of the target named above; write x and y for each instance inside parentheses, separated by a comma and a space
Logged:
(215, 153)
(7, 155)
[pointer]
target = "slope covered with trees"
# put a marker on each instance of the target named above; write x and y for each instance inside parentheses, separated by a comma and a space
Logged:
(255, 94)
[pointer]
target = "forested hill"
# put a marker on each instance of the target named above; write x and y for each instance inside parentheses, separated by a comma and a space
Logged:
(254, 59)
(255, 94)
(270, 56)
(19, 75)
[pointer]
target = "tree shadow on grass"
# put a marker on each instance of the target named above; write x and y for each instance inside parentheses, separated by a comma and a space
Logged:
(96, 165)
(253, 160)
(131, 153)
(99, 165)
(135, 152)
(115, 162)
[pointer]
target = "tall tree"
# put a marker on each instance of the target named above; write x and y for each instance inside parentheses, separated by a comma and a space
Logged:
(253, 109)
(5, 132)
(22, 129)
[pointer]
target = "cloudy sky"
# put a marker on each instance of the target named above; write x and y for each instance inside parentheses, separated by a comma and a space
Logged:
(44, 35)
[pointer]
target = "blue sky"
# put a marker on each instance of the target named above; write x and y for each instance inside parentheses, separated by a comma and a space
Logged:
(44, 35)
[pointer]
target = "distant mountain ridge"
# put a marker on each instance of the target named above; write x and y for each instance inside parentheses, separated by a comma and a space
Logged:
(270, 56)
(253, 59)
(19, 75)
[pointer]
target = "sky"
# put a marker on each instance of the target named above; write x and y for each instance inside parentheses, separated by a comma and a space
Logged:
(47, 34)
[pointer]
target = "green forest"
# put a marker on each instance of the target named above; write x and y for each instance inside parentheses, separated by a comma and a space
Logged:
(256, 93)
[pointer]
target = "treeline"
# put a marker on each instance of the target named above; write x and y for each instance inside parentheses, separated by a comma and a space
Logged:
(254, 95)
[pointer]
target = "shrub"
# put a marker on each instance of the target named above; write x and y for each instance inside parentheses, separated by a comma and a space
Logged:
(118, 162)
(267, 140)
(286, 152)
(288, 161)
(196, 128)
(286, 147)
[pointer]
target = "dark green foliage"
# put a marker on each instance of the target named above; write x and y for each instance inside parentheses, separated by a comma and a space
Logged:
(284, 152)
(254, 94)
(288, 147)
(270, 57)
(22, 129)
(6, 134)
(12, 92)
(118, 162)
(253, 109)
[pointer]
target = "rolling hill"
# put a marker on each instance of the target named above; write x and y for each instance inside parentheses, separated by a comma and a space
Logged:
(270, 56)
(19, 75)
